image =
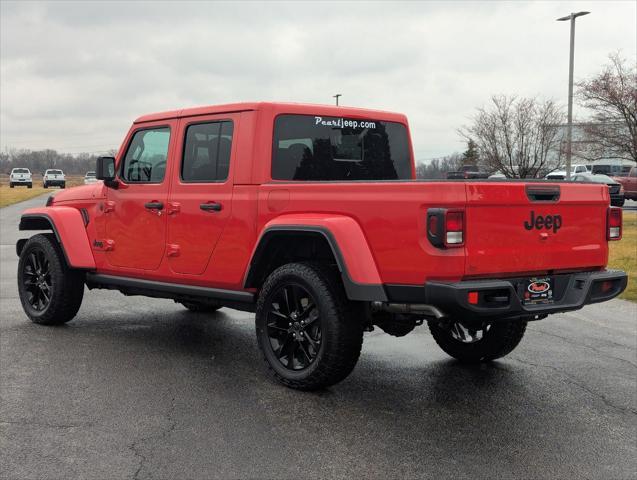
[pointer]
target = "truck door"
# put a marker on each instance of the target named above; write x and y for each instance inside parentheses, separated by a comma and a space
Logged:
(200, 200)
(135, 218)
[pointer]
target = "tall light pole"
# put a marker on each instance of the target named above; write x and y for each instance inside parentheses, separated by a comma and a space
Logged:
(336, 97)
(569, 130)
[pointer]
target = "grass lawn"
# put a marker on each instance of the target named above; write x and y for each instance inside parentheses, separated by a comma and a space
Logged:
(623, 255)
(9, 196)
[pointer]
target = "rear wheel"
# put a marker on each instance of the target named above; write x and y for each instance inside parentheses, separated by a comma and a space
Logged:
(202, 307)
(473, 342)
(307, 330)
(51, 293)
(45, 185)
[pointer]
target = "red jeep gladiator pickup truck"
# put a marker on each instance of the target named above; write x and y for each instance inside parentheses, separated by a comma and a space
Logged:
(311, 217)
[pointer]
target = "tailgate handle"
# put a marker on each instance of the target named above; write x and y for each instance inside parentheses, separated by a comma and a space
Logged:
(543, 193)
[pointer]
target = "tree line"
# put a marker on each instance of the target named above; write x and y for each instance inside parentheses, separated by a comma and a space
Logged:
(40, 160)
(526, 137)
(518, 137)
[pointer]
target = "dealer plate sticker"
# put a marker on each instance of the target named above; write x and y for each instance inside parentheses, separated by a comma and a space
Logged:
(538, 291)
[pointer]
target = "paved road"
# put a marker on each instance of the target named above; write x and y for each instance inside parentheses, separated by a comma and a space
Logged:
(630, 205)
(138, 388)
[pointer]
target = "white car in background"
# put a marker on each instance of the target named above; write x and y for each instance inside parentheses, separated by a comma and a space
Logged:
(90, 178)
(560, 173)
(20, 176)
(53, 178)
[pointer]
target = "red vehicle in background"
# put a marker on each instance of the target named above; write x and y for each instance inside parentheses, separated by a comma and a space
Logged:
(311, 216)
(629, 183)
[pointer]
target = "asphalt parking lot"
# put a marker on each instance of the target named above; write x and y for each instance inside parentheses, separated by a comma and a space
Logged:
(142, 388)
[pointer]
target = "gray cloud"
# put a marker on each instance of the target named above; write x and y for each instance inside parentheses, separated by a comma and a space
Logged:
(73, 75)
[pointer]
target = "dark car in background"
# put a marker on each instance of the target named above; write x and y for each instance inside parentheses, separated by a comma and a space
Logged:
(615, 189)
(467, 171)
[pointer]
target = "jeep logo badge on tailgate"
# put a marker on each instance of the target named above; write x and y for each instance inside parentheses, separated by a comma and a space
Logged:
(548, 222)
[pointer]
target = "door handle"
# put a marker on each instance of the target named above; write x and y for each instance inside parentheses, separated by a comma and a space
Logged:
(154, 205)
(211, 207)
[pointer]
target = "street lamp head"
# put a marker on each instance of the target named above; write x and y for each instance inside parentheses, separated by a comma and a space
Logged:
(572, 15)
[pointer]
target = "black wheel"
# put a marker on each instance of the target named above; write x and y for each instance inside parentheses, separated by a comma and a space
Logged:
(63, 185)
(30, 185)
(310, 335)
(11, 185)
(50, 292)
(478, 341)
(202, 307)
(45, 185)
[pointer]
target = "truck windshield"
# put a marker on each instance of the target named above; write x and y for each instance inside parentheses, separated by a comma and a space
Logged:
(309, 147)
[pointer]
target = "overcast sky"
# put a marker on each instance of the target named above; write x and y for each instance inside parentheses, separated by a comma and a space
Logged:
(74, 75)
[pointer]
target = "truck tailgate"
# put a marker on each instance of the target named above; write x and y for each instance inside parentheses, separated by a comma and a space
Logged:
(515, 228)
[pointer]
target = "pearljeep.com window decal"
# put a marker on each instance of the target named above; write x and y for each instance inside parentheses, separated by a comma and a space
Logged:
(343, 122)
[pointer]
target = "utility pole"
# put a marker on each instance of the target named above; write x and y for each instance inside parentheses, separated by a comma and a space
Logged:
(569, 128)
(336, 97)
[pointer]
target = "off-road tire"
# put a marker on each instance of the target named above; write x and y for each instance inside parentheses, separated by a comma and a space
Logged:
(63, 185)
(45, 185)
(11, 185)
(30, 185)
(500, 340)
(201, 307)
(67, 285)
(341, 326)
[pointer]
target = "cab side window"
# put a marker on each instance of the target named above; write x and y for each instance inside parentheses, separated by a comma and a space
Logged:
(145, 160)
(206, 156)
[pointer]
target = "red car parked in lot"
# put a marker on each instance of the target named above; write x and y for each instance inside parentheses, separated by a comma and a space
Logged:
(629, 183)
(311, 216)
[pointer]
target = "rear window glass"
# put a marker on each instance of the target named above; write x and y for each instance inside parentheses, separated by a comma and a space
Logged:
(308, 147)
(55, 172)
(207, 152)
(20, 170)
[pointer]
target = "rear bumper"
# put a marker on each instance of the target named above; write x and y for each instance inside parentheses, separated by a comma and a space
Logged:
(55, 183)
(502, 298)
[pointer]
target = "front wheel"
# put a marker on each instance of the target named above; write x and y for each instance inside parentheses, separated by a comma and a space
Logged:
(30, 185)
(11, 185)
(51, 293)
(307, 330)
(473, 342)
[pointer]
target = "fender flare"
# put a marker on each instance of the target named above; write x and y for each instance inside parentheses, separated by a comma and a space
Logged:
(69, 227)
(345, 237)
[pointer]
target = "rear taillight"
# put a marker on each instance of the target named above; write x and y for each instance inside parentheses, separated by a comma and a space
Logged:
(445, 228)
(614, 224)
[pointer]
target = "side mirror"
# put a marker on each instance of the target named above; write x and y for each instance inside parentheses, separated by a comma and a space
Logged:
(105, 170)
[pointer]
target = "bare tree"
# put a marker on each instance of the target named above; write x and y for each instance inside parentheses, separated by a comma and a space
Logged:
(611, 96)
(519, 137)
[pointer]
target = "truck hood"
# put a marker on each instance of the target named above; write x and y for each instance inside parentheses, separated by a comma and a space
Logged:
(83, 192)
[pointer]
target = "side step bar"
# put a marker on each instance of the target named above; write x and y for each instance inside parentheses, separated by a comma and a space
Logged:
(240, 300)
